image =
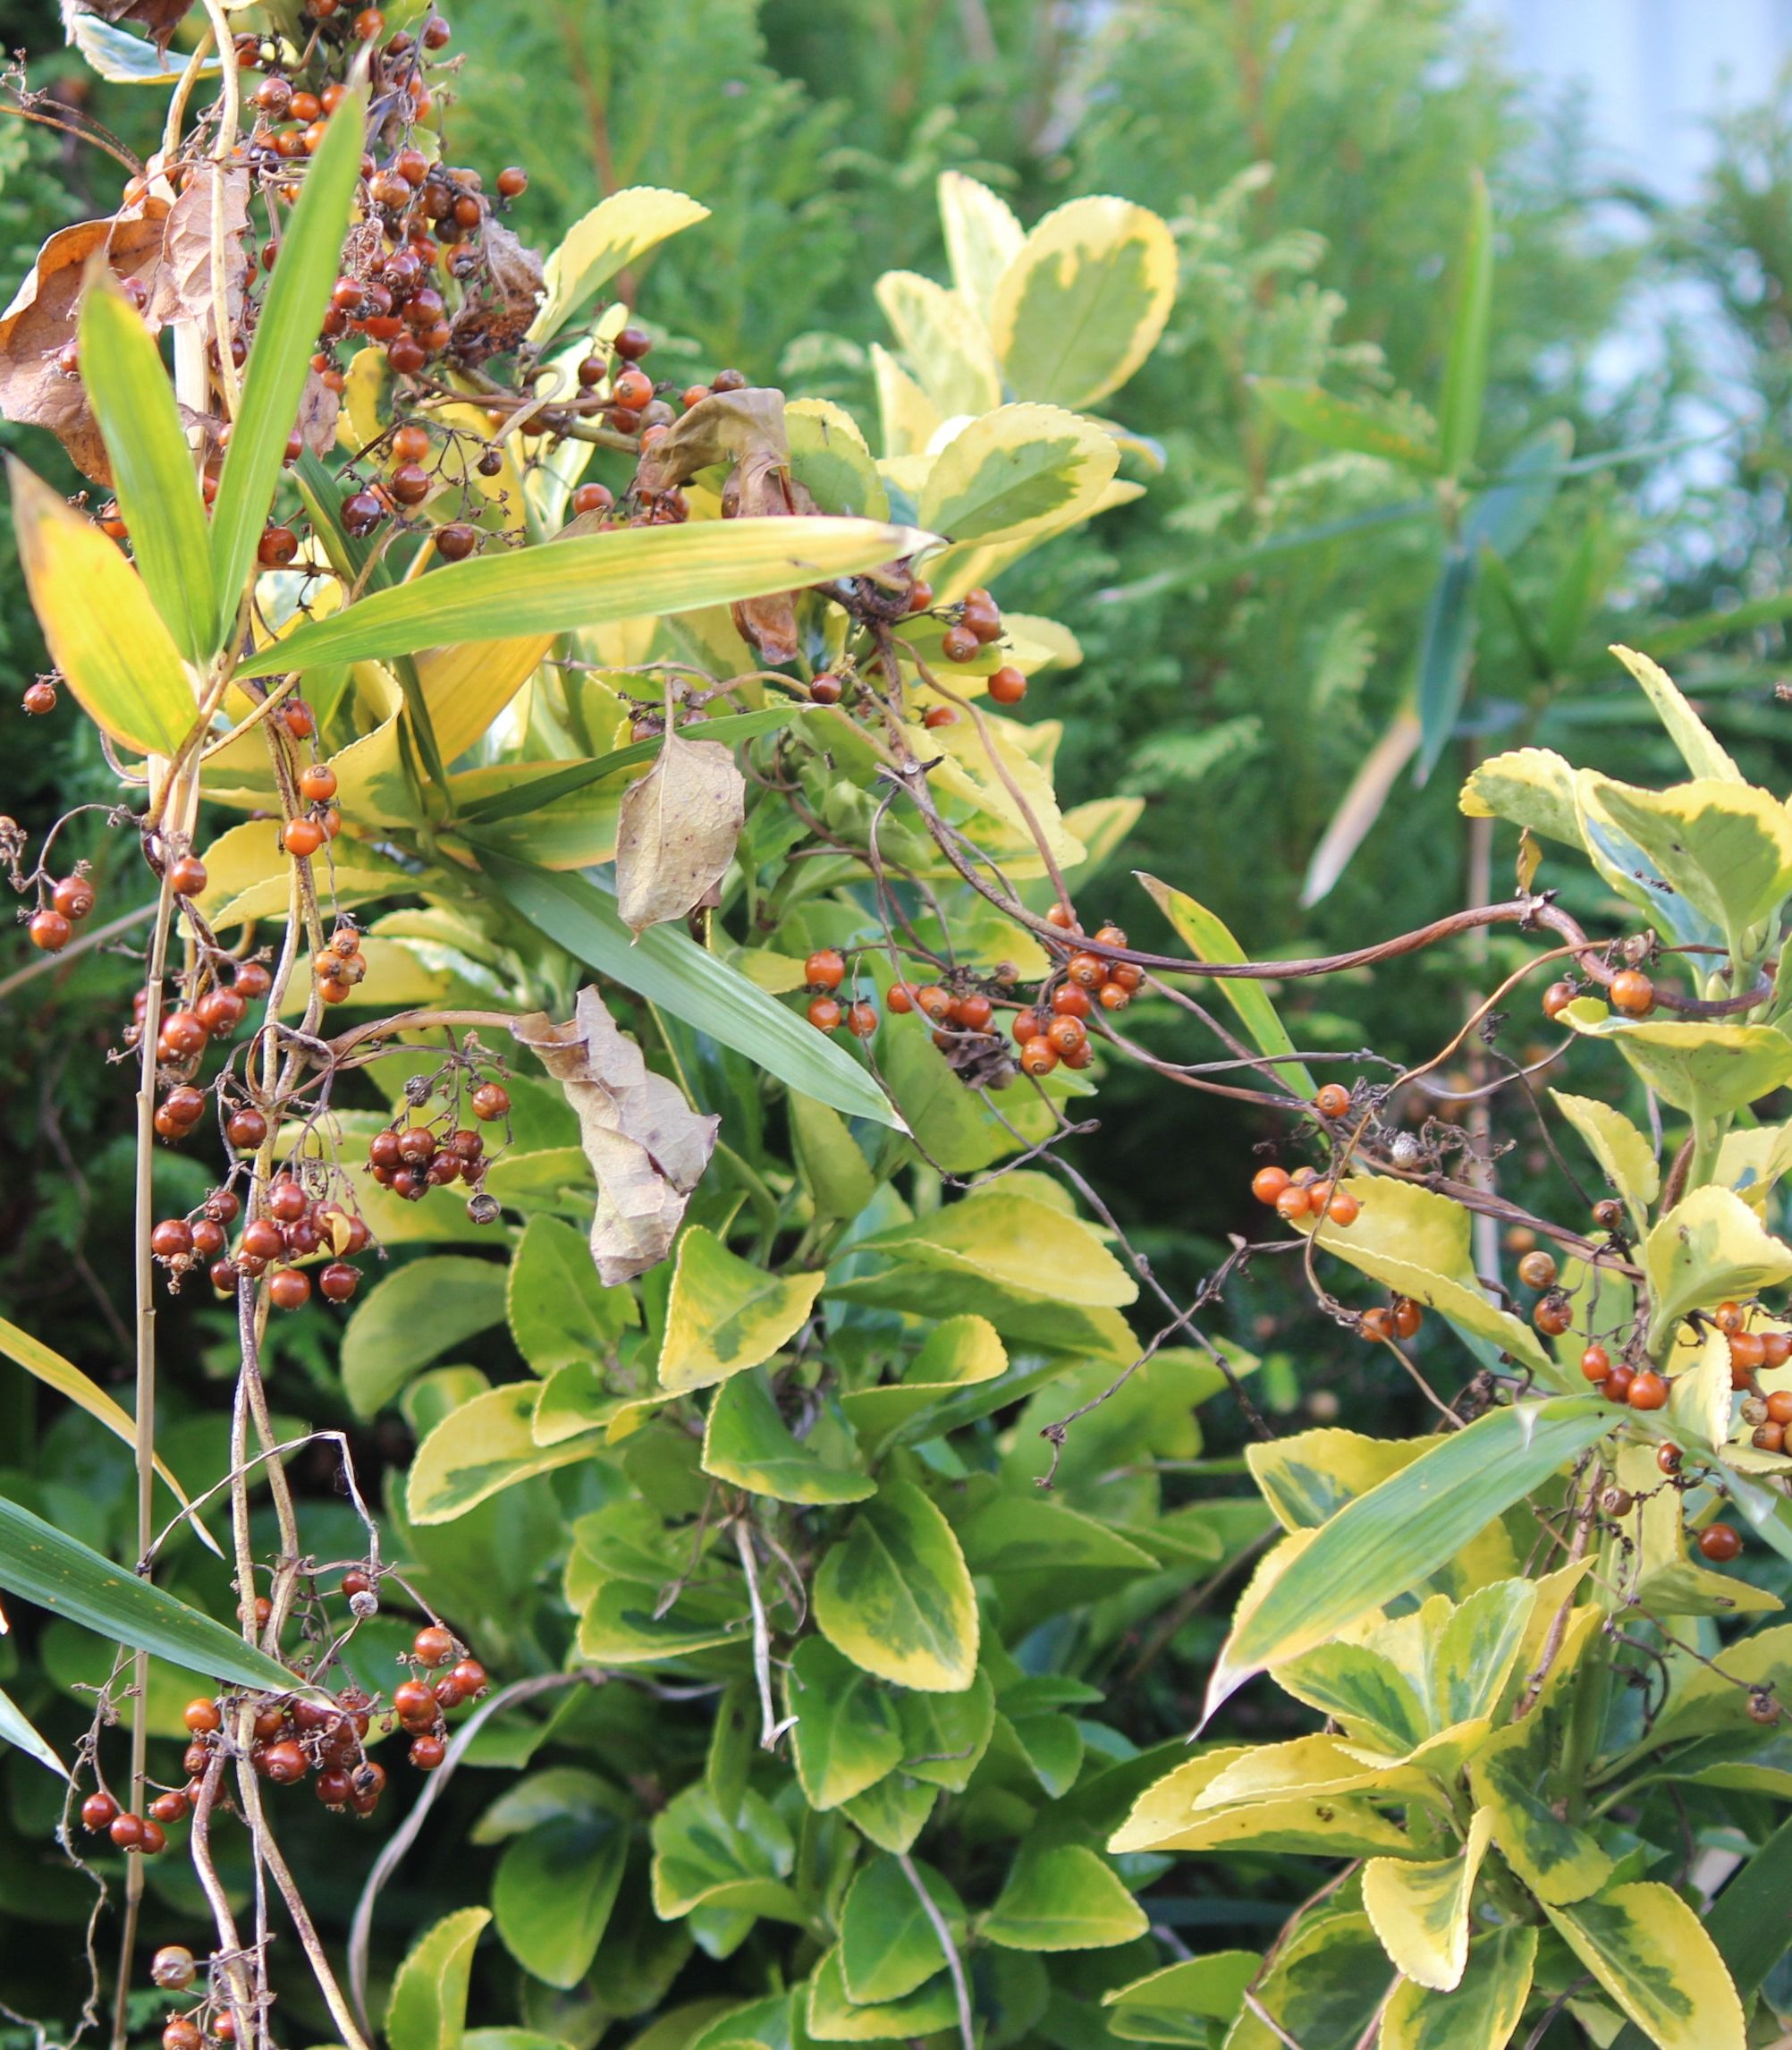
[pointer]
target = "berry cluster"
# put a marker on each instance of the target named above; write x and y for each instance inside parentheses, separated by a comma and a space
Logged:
(1304, 1193)
(412, 1157)
(303, 834)
(825, 970)
(292, 1226)
(53, 925)
(341, 966)
(215, 1012)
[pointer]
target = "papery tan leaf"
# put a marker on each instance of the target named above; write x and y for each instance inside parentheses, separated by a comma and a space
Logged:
(34, 390)
(161, 18)
(182, 289)
(319, 409)
(497, 310)
(746, 431)
(646, 1147)
(677, 832)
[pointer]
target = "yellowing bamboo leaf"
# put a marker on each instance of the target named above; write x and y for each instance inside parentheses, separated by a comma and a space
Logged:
(1420, 1911)
(1082, 305)
(646, 1144)
(676, 834)
(468, 684)
(103, 633)
(725, 1313)
(1015, 472)
(1361, 805)
(982, 237)
(608, 239)
(944, 342)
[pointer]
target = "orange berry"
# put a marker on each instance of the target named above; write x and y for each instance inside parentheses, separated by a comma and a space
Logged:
(974, 1012)
(1376, 1324)
(1552, 1316)
(861, 1020)
(1038, 1056)
(1065, 921)
(825, 968)
(1408, 1317)
(1344, 1209)
(1268, 1182)
(1026, 1026)
(900, 999)
(1779, 1406)
(1595, 1362)
(1647, 1391)
(1776, 1348)
(1727, 1316)
(1067, 1034)
(1293, 1202)
(1113, 997)
(1556, 998)
(1537, 1270)
(824, 1014)
(1632, 993)
(1720, 1542)
(1747, 1351)
(1070, 1000)
(933, 1002)
(1007, 685)
(1087, 970)
(1332, 1101)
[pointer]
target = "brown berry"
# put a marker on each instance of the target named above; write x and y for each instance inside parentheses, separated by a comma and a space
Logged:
(1537, 1270)
(49, 931)
(73, 897)
(1632, 993)
(1720, 1542)
(433, 1646)
(339, 1281)
(491, 1100)
(824, 1014)
(97, 1812)
(187, 876)
(290, 1289)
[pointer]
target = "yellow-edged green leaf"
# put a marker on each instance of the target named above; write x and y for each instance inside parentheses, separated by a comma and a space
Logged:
(1725, 847)
(1650, 1952)
(427, 2010)
(893, 1813)
(845, 1735)
(911, 419)
(1063, 1898)
(608, 239)
(725, 1313)
(561, 1315)
(586, 580)
(747, 1444)
(1017, 472)
(982, 237)
(1707, 1247)
(1482, 2013)
(945, 342)
(1709, 1069)
(1532, 787)
(1083, 300)
(485, 1445)
(1698, 749)
(828, 458)
(1209, 938)
(1420, 1910)
(413, 1316)
(1386, 1541)
(958, 1352)
(895, 1596)
(1558, 1860)
(1013, 1241)
(1325, 1987)
(103, 633)
(280, 358)
(888, 1945)
(1623, 1153)
(833, 2016)
(153, 468)
(1168, 1816)
(1178, 2003)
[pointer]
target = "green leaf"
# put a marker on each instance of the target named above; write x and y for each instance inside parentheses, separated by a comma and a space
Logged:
(834, 1171)
(561, 1315)
(999, 1236)
(828, 458)
(747, 1444)
(619, 1628)
(1363, 1690)
(103, 633)
(124, 59)
(1555, 1859)
(834, 2017)
(945, 1736)
(414, 1315)
(485, 1445)
(1725, 847)
(1699, 749)
(427, 2010)
(553, 1891)
(1747, 1922)
(1482, 2013)
(1532, 787)
(724, 1313)
(1325, 1987)
(1387, 1540)
(66, 1378)
(1464, 376)
(1049, 1558)
(699, 1856)
(1652, 1954)
(44, 1565)
(1709, 1070)
(893, 1813)
(1322, 417)
(16, 1729)
(672, 972)
(959, 1352)
(1446, 647)
(612, 235)
(1016, 473)
(589, 580)
(154, 471)
(1420, 1910)
(845, 1735)
(280, 359)
(1624, 1155)
(1208, 938)
(1063, 1898)
(1705, 1249)
(1505, 515)
(1185, 2003)
(888, 1946)
(1083, 302)
(894, 1594)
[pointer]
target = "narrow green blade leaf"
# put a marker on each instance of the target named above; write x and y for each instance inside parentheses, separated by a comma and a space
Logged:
(152, 468)
(1211, 939)
(589, 579)
(668, 968)
(60, 1573)
(1444, 653)
(66, 1378)
(1465, 377)
(546, 781)
(16, 1728)
(280, 361)
(1387, 1540)
(1505, 515)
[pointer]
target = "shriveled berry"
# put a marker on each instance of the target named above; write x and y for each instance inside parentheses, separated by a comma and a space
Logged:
(1669, 1458)
(1553, 1315)
(173, 1968)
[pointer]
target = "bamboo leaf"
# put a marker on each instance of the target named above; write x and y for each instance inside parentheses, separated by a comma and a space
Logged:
(588, 579)
(280, 361)
(1465, 377)
(59, 1573)
(153, 469)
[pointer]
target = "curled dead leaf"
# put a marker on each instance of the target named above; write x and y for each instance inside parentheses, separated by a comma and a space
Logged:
(182, 289)
(677, 831)
(646, 1146)
(319, 408)
(746, 431)
(496, 316)
(161, 18)
(35, 391)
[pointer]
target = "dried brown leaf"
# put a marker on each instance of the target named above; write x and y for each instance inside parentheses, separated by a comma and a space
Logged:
(33, 391)
(646, 1147)
(319, 408)
(746, 431)
(497, 317)
(677, 831)
(184, 285)
(161, 18)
